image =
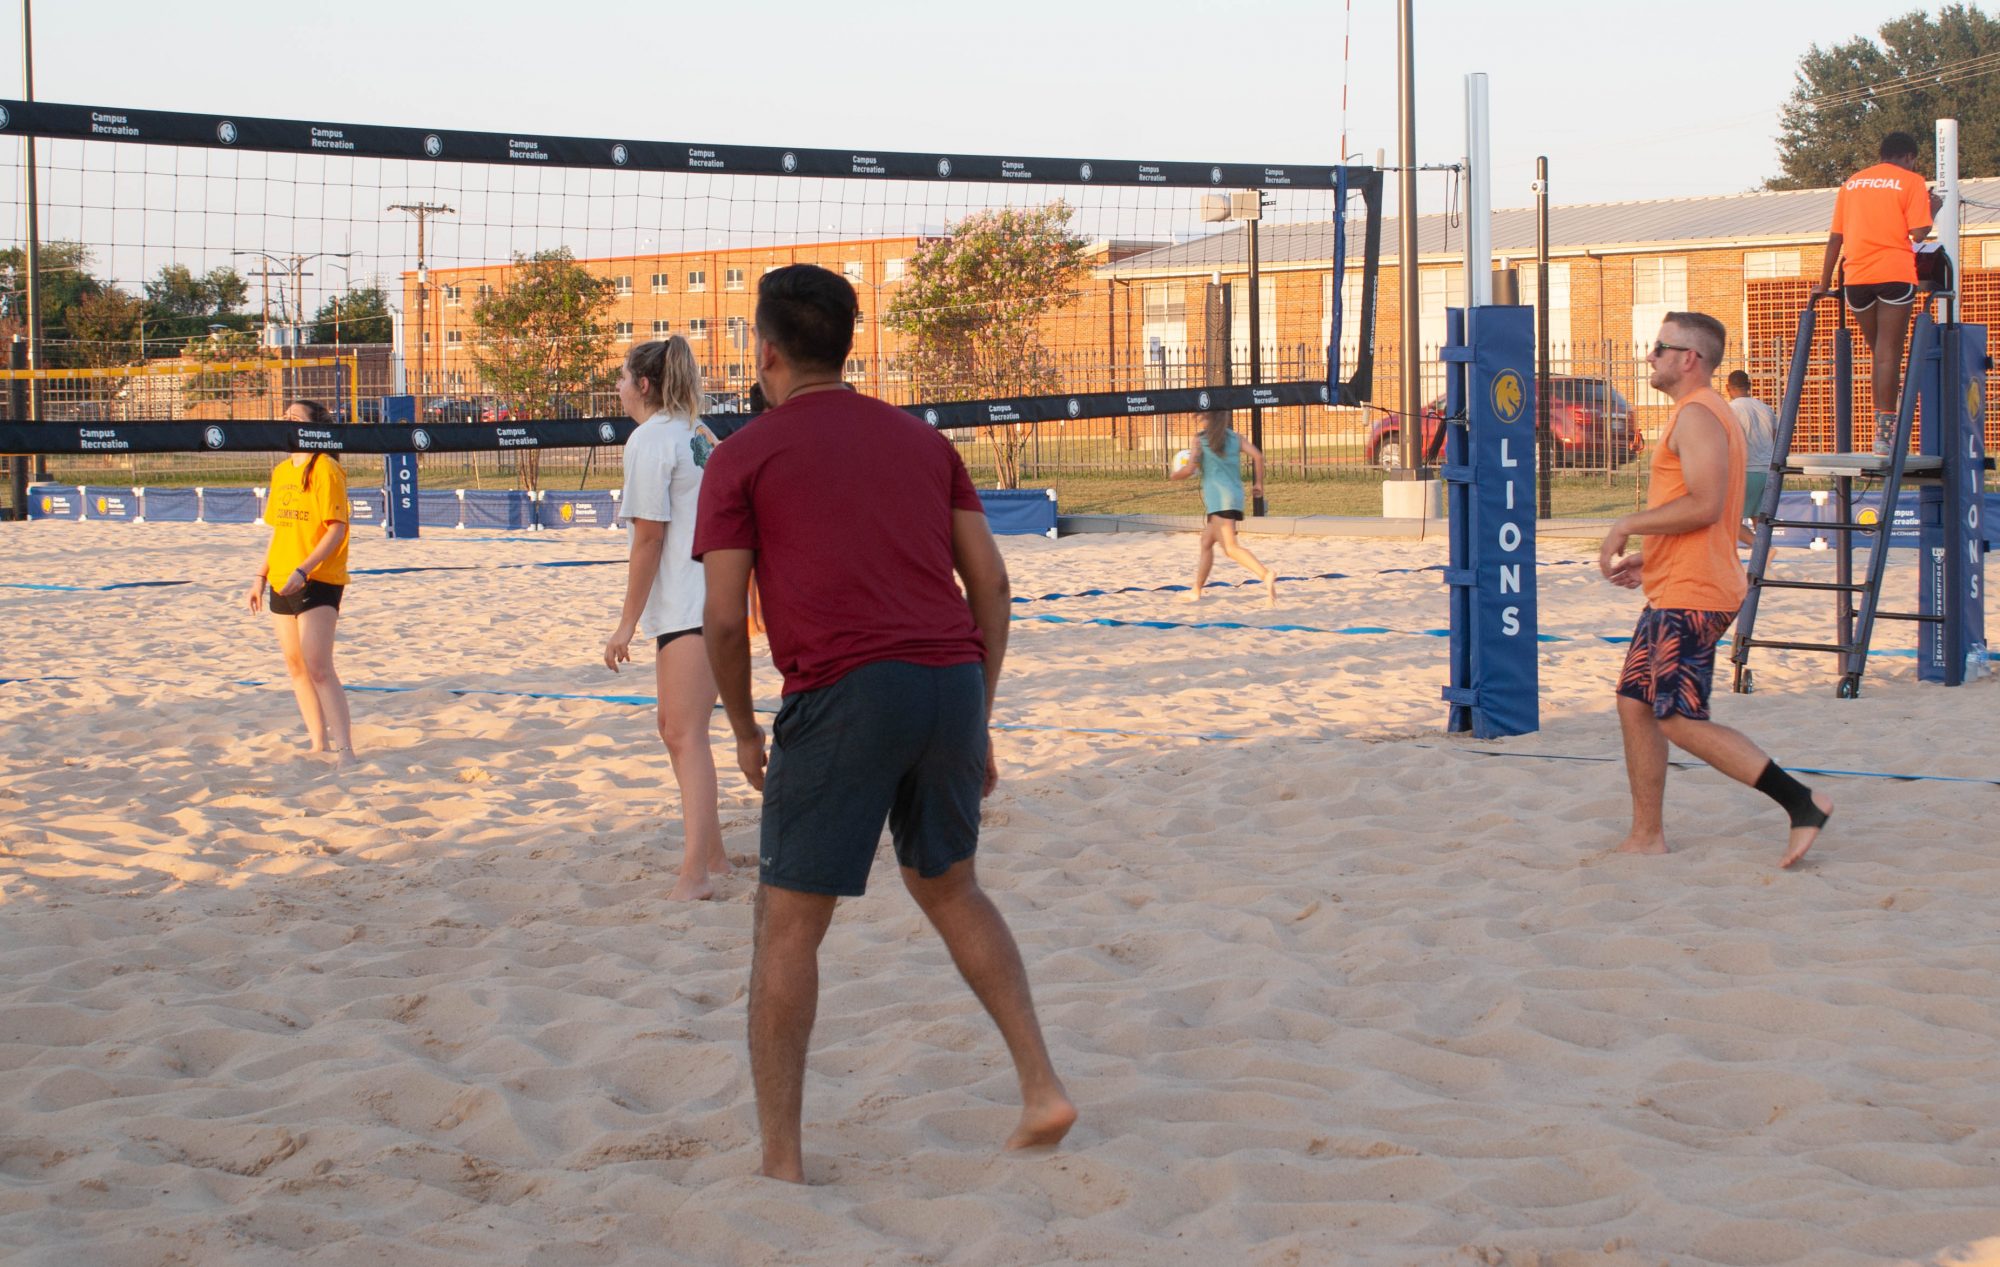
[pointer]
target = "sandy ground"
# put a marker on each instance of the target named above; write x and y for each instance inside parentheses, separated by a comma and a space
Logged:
(1328, 986)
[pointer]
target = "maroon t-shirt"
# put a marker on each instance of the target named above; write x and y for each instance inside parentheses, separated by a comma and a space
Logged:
(848, 503)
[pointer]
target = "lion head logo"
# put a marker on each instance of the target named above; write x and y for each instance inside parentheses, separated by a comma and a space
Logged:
(1510, 396)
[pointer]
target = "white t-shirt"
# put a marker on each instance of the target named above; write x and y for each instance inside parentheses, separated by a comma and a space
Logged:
(1760, 431)
(664, 458)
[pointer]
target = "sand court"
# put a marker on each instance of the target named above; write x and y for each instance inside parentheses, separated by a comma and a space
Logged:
(1327, 985)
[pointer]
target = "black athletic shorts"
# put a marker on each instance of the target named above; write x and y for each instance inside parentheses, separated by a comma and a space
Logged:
(893, 741)
(1237, 515)
(660, 642)
(1895, 294)
(315, 594)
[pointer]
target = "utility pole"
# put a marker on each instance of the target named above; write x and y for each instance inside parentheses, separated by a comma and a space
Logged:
(422, 211)
(1411, 429)
(34, 230)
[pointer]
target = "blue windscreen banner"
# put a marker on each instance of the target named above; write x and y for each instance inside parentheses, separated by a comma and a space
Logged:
(496, 508)
(109, 501)
(439, 508)
(1020, 511)
(169, 505)
(402, 515)
(55, 501)
(1490, 470)
(231, 506)
(365, 507)
(586, 509)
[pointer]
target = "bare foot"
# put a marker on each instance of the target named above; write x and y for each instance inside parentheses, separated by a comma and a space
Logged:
(721, 866)
(1803, 837)
(1192, 596)
(1652, 843)
(794, 1172)
(696, 889)
(1271, 590)
(1044, 1121)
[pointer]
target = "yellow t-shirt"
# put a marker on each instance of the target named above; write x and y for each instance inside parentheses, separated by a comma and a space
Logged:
(298, 516)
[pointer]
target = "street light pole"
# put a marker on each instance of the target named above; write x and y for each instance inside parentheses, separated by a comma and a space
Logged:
(1409, 432)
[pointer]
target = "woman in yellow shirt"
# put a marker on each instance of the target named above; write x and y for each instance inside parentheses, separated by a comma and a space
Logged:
(305, 570)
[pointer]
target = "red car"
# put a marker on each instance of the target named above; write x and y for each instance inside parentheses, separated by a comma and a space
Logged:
(1586, 430)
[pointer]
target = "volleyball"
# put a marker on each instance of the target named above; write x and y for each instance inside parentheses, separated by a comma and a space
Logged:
(1183, 458)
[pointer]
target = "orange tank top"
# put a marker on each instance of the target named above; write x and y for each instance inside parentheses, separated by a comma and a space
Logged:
(1698, 569)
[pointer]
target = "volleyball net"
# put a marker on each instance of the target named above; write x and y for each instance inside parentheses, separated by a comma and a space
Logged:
(499, 278)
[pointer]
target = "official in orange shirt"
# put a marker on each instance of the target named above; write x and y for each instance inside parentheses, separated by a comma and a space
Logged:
(1694, 584)
(1878, 217)
(303, 577)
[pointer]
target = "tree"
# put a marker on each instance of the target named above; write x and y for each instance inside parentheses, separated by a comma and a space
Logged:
(66, 281)
(359, 316)
(1849, 96)
(542, 341)
(108, 328)
(972, 307)
(182, 305)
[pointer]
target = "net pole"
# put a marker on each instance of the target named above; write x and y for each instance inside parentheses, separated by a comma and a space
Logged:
(34, 228)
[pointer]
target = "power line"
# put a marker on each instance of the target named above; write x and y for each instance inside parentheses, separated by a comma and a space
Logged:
(1898, 85)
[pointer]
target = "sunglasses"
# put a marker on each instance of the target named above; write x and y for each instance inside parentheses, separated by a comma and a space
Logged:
(1659, 347)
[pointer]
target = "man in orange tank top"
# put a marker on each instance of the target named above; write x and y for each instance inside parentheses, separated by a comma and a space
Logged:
(1880, 213)
(1694, 583)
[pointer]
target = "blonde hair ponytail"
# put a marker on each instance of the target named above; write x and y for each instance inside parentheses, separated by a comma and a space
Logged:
(670, 366)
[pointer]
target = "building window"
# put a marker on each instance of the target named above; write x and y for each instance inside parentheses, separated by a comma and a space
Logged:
(623, 331)
(698, 328)
(1239, 325)
(622, 284)
(854, 271)
(661, 329)
(738, 330)
(1559, 335)
(1164, 335)
(451, 296)
(892, 270)
(1439, 289)
(660, 284)
(1989, 253)
(733, 279)
(856, 367)
(698, 279)
(485, 292)
(1765, 265)
(453, 336)
(427, 336)
(1659, 286)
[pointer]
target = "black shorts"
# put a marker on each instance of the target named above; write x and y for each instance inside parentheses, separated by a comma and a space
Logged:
(1236, 515)
(315, 594)
(1672, 661)
(1895, 294)
(891, 741)
(660, 642)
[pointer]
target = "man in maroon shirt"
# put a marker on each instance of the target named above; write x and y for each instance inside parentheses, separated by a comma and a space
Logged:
(856, 516)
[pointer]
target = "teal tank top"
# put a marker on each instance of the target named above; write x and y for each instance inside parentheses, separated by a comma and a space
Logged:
(1221, 474)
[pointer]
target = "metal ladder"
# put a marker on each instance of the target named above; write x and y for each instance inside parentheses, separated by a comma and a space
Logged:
(1854, 621)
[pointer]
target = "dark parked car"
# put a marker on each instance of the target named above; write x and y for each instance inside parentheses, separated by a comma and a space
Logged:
(1589, 423)
(450, 409)
(371, 410)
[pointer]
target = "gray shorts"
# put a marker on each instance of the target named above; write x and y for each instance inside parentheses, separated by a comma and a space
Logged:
(891, 741)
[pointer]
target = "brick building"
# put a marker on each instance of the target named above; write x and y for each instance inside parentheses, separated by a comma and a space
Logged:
(1142, 320)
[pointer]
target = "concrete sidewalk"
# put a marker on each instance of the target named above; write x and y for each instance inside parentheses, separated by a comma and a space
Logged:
(1319, 526)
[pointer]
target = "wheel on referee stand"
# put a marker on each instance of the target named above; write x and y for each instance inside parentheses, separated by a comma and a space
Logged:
(1746, 681)
(1850, 686)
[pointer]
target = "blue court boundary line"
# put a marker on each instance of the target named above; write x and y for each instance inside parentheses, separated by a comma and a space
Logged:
(644, 701)
(647, 700)
(1698, 765)
(1293, 580)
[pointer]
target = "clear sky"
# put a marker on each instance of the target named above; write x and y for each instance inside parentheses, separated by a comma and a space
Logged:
(1628, 100)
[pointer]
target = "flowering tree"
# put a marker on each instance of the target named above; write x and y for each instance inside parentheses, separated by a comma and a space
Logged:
(971, 312)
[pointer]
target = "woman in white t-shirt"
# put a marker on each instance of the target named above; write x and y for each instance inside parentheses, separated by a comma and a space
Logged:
(660, 388)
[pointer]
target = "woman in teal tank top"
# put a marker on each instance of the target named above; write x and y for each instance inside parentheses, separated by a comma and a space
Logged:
(1217, 456)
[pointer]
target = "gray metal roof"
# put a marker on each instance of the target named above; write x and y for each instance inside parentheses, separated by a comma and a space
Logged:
(1720, 220)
